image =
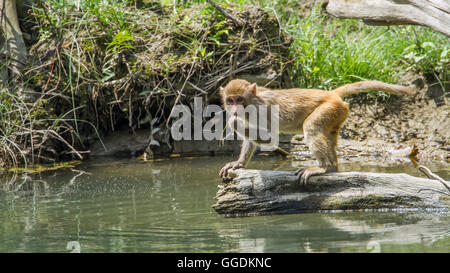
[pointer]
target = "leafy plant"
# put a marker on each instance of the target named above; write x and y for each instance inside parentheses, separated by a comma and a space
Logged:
(120, 43)
(329, 52)
(219, 30)
(427, 57)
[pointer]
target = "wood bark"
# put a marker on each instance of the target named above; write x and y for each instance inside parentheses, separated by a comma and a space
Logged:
(255, 192)
(431, 13)
(13, 45)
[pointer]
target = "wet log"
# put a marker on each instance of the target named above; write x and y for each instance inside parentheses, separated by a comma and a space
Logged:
(255, 192)
(431, 13)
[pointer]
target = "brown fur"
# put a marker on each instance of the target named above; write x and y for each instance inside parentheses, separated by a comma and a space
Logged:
(316, 113)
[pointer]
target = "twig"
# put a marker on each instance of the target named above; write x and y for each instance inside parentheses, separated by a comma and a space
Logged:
(80, 173)
(225, 13)
(431, 175)
(197, 88)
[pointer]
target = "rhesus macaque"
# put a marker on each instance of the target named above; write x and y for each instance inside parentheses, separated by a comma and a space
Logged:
(318, 114)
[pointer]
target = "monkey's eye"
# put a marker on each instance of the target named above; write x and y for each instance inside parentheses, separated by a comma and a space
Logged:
(239, 99)
(229, 101)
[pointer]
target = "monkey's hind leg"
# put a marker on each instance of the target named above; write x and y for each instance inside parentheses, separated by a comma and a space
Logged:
(321, 148)
(321, 131)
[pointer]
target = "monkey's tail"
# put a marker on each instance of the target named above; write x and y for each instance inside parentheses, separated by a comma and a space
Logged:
(364, 86)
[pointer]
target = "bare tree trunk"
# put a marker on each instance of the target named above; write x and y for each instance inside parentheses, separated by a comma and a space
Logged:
(12, 44)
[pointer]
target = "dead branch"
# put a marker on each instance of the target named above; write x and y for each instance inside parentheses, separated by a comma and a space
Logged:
(225, 13)
(431, 13)
(431, 175)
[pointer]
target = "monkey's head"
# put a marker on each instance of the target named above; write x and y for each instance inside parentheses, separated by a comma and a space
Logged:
(238, 93)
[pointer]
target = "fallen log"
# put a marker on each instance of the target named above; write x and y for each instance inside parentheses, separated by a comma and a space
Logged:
(256, 192)
(431, 13)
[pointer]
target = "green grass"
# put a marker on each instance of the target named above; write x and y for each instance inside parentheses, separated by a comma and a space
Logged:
(329, 52)
(326, 52)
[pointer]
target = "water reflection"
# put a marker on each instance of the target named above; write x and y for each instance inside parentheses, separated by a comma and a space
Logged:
(165, 206)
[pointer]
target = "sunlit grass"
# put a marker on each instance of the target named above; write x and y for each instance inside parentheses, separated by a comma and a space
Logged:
(328, 52)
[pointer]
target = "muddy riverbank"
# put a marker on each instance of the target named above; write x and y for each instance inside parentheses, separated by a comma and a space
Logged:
(105, 83)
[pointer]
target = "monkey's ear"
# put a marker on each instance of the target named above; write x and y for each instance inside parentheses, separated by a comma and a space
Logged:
(253, 88)
(222, 91)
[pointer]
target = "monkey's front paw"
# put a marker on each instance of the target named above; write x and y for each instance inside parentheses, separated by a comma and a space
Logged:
(303, 175)
(302, 179)
(232, 165)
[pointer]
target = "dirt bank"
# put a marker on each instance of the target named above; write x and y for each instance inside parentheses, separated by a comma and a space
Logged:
(105, 69)
(116, 74)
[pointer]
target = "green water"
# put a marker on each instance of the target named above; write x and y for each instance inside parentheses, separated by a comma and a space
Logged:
(134, 206)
